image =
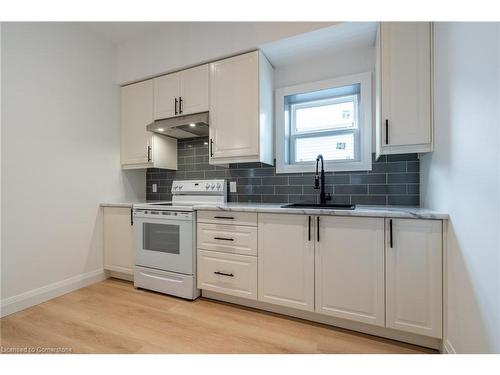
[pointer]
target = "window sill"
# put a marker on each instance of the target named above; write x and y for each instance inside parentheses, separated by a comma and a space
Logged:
(329, 167)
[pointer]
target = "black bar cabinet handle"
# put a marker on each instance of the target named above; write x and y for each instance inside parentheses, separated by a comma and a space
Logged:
(386, 131)
(132, 216)
(317, 228)
(224, 217)
(211, 147)
(223, 239)
(224, 274)
(180, 105)
(175, 105)
(149, 153)
(390, 233)
(309, 232)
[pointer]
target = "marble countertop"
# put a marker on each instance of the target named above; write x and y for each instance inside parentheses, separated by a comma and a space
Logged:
(128, 204)
(360, 210)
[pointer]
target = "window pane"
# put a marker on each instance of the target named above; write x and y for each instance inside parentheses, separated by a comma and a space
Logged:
(334, 147)
(163, 238)
(323, 117)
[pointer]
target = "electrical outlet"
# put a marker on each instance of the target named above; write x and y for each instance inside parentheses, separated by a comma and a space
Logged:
(232, 186)
(155, 188)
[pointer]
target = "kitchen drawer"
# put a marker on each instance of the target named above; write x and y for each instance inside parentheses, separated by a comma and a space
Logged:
(236, 239)
(228, 217)
(231, 274)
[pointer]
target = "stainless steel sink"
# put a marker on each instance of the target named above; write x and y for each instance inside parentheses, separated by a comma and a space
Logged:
(321, 206)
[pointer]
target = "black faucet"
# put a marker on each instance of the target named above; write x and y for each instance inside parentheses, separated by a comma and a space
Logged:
(319, 182)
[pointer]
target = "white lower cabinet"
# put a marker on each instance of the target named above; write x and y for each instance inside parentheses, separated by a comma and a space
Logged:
(118, 248)
(286, 261)
(382, 272)
(227, 253)
(231, 274)
(236, 239)
(414, 276)
(350, 269)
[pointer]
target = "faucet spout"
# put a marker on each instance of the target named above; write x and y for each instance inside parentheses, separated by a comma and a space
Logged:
(319, 181)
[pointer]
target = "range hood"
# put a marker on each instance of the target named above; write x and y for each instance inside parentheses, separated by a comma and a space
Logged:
(182, 127)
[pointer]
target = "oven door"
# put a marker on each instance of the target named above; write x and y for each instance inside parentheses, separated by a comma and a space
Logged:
(164, 240)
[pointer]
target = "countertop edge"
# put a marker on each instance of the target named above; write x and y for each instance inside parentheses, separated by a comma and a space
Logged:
(416, 213)
(118, 204)
(363, 211)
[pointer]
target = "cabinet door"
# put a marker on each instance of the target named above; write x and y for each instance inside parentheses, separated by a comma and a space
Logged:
(350, 269)
(286, 261)
(194, 90)
(414, 276)
(137, 112)
(231, 274)
(118, 249)
(405, 84)
(234, 106)
(166, 96)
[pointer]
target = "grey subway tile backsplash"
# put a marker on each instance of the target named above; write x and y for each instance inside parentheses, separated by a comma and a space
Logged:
(393, 180)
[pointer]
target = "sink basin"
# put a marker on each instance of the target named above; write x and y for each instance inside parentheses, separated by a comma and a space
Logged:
(321, 206)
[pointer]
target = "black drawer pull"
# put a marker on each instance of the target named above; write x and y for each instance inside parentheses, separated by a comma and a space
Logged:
(224, 274)
(317, 228)
(224, 217)
(386, 131)
(224, 239)
(390, 234)
(309, 232)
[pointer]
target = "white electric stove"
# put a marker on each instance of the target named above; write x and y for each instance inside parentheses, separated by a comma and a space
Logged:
(165, 238)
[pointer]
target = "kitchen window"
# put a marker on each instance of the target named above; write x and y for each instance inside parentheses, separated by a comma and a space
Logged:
(332, 118)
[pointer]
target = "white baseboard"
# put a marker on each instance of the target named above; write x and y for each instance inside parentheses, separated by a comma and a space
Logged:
(448, 347)
(34, 297)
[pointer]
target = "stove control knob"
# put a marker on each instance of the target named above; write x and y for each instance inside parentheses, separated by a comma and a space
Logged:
(175, 187)
(180, 187)
(207, 186)
(218, 186)
(212, 186)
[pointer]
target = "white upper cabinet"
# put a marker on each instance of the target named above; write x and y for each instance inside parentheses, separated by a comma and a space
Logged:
(241, 102)
(350, 269)
(403, 87)
(166, 96)
(194, 90)
(137, 113)
(181, 93)
(414, 276)
(140, 148)
(286, 260)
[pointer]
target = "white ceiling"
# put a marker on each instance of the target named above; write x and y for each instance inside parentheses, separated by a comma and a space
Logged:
(122, 32)
(325, 41)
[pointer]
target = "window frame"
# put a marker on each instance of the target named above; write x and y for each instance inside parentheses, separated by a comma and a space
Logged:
(364, 128)
(325, 132)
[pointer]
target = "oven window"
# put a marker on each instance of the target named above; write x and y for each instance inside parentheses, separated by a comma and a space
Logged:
(161, 237)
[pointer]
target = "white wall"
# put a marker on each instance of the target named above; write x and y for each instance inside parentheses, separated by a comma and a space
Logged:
(333, 65)
(327, 66)
(176, 45)
(60, 153)
(462, 177)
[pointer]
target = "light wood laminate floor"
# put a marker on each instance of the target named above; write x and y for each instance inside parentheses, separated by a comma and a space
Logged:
(114, 317)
